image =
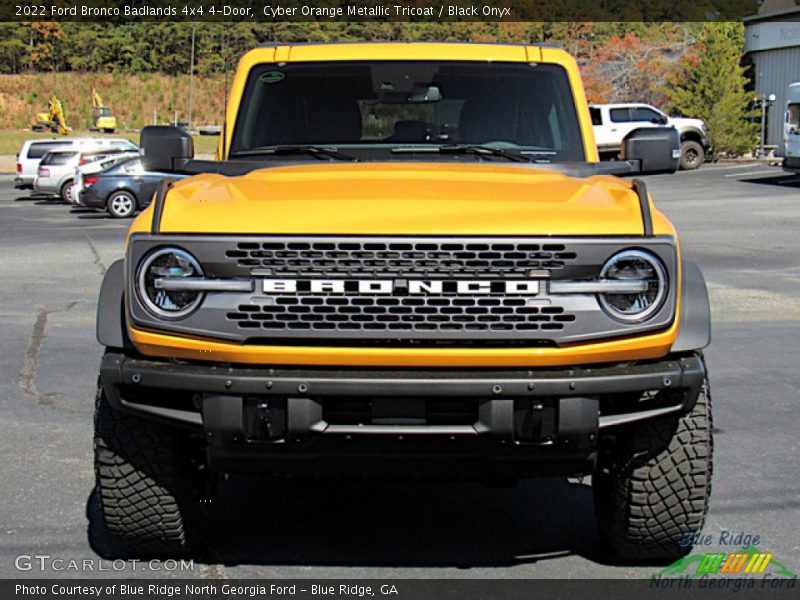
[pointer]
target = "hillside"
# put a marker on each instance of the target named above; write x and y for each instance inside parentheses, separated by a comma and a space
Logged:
(132, 98)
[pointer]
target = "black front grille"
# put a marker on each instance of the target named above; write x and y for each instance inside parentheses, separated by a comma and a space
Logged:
(466, 260)
(400, 314)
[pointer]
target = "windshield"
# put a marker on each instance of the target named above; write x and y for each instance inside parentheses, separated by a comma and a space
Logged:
(377, 106)
(793, 117)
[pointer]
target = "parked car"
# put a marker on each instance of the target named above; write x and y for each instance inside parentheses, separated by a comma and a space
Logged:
(316, 304)
(33, 151)
(87, 171)
(56, 173)
(122, 189)
(612, 122)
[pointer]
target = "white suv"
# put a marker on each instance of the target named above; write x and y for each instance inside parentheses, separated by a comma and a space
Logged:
(32, 152)
(612, 122)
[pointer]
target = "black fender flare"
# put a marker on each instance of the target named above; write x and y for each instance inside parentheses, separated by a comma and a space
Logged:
(112, 331)
(694, 328)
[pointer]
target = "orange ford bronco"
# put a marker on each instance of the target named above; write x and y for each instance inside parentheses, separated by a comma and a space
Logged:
(406, 261)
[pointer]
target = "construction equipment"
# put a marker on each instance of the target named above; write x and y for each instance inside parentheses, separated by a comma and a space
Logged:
(53, 120)
(103, 119)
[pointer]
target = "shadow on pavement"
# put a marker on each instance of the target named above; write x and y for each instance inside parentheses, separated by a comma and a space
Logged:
(279, 522)
(785, 179)
(91, 214)
(402, 524)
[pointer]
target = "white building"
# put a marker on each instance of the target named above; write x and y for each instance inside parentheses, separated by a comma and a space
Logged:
(772, 41)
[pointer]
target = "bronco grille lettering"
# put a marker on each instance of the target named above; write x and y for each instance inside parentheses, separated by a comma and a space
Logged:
(529, 287)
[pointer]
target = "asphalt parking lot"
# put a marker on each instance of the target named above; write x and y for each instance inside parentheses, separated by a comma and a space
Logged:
(740, 223)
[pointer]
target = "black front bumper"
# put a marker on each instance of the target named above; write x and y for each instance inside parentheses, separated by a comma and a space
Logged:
(296, 419)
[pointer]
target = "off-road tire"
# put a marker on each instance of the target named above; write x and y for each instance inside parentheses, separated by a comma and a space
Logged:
(148, 483)
(653, 488)
(692, 155)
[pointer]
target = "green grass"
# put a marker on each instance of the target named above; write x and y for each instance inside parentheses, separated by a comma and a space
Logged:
(11, 139)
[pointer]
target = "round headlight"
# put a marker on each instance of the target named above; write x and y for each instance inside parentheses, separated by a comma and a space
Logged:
(635, 266)
(168, 263)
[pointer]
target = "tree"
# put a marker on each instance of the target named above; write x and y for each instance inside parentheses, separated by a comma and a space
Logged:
(13, 49)
(711, 86)
(46, 40)
(633, 68)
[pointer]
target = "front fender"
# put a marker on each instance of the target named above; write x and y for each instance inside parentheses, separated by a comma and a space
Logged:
(694, 329)
(111, 329)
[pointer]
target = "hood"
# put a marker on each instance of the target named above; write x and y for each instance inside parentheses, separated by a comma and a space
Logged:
(402, 199)
(680, 122)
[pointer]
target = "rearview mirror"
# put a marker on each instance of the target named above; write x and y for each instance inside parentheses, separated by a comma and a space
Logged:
(165, 148)
(655, 149)
(425, 93)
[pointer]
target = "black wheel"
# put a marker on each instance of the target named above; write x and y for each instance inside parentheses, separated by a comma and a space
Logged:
(64, 192)
(692, 155)
(652, 489)
(150, 485)
(108, 131)
(121, 204)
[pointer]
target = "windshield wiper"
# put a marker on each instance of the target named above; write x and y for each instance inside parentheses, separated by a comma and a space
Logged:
(476, 149)
(315, 151)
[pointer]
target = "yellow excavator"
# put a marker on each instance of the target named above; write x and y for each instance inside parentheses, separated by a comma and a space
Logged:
(53, 120)
(103, 120)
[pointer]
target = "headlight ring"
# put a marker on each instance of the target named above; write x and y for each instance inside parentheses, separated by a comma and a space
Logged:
(168, 262)
(635, 265)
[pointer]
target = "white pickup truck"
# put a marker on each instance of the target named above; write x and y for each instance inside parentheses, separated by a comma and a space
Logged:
(612, 122)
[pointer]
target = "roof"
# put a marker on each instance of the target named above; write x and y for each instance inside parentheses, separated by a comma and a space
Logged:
(535, 44)
(411, 51)
(787, 14)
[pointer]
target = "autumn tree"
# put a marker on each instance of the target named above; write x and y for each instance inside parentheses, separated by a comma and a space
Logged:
(46, 40)
(710, 85)
(632, 68)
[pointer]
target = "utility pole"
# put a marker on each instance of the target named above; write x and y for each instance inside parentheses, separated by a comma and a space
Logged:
(191, 76)
(765, 102)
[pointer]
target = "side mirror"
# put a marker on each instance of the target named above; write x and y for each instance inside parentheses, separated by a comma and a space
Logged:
(165, 148)
(655, 149)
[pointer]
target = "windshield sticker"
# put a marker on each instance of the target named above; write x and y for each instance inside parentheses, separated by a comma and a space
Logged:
(271, 77)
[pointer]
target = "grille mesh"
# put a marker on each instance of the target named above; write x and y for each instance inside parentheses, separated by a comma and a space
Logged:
(398, 259)
(442, 314)
(400, 313)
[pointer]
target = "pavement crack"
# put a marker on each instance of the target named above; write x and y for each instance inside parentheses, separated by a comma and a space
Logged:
(97, 260)
(27, 376)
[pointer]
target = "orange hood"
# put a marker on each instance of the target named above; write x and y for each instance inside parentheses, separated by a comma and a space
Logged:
(403, 199)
